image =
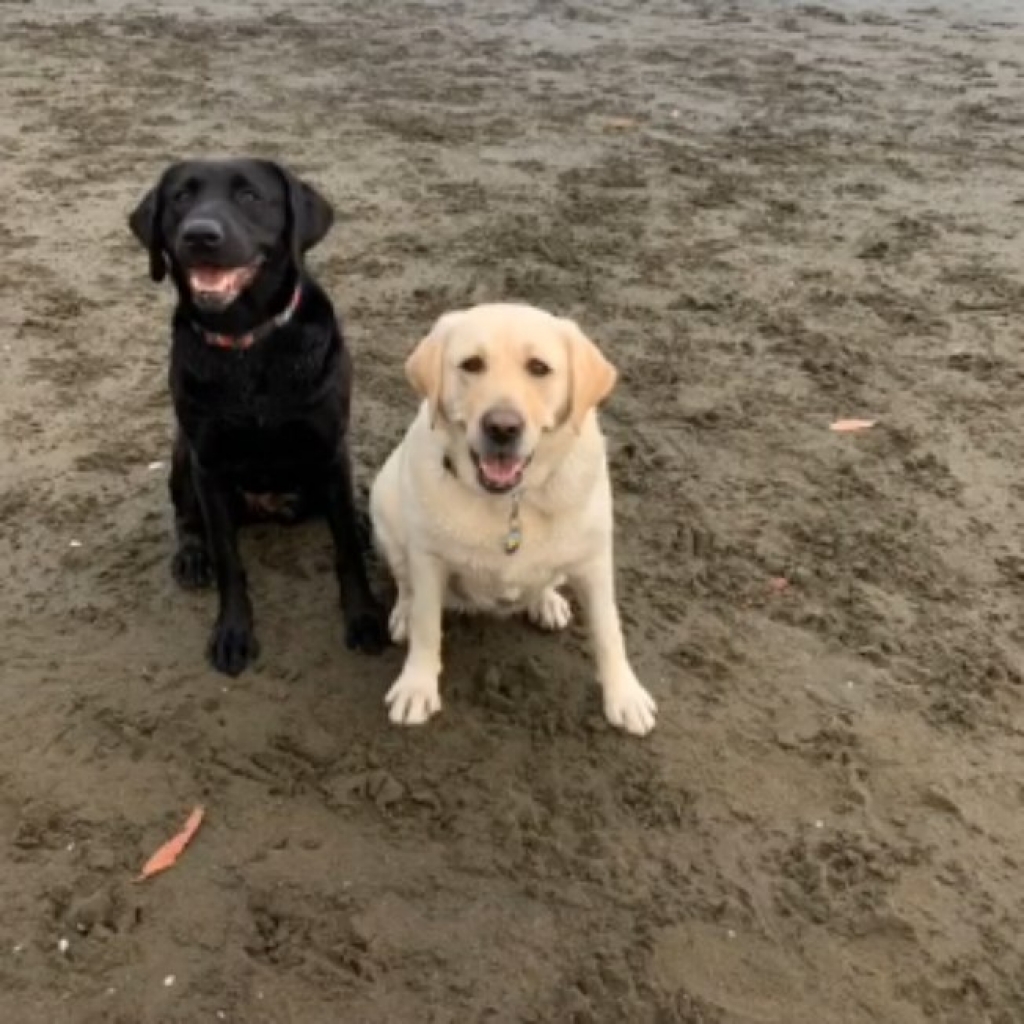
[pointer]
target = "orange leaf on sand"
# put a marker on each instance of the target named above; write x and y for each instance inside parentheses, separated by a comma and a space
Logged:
(169, 853)
(851, 426)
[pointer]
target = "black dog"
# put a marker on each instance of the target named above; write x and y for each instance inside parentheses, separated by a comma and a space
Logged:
(260, 379)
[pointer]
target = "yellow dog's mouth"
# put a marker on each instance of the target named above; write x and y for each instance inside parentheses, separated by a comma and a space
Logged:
(499, 473)
(220, 286)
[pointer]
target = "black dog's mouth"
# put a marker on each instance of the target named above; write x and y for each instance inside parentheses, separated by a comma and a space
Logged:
(218, 287)
(499, 473)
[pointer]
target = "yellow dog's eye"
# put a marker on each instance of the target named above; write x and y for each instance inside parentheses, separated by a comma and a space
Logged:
(537, 368)
(474, 364)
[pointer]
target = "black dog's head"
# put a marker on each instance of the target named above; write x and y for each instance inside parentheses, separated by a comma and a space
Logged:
(219, 224)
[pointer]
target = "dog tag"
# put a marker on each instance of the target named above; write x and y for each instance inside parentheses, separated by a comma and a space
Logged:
(514, 537)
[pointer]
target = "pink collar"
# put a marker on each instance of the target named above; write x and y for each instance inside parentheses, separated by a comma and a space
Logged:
(241, 342)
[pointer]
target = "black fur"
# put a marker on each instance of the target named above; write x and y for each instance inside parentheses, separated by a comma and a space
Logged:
(270, 419)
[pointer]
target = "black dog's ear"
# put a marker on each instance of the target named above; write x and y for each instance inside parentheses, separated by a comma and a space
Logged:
(310, 216)
(144, 222)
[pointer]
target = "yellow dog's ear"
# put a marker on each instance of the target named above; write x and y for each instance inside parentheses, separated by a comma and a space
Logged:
(425, 366)
(591, 376)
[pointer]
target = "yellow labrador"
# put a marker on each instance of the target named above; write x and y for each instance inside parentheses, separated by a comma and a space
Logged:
(499, 494)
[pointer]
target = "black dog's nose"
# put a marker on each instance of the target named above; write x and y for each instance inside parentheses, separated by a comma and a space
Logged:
(203, 233)
(502, 426)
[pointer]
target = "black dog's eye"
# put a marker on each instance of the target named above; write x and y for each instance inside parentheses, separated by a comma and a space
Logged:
(474, 364)
(537, 368)
(181, 195)
(247, 195)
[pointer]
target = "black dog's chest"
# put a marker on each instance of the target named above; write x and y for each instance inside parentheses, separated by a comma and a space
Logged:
(263, 424)
(275, 450)
(265, 385)
(265, 456)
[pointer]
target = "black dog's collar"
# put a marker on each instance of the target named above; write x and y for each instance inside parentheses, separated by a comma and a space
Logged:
(241, 342)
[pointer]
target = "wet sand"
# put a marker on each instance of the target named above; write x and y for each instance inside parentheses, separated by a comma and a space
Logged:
(771, 216)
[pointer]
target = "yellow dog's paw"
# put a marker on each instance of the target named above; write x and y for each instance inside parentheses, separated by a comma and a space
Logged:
(550, 610)
(629, 706)
(413, 699)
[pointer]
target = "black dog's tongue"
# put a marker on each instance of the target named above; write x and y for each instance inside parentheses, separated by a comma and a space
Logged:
(218, 281)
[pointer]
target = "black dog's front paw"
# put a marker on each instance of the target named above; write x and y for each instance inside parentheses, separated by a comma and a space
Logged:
(191, 566)
(366, 629)
(232, 645)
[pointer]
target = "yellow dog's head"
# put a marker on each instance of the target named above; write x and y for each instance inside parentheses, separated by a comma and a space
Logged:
(501, 378)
